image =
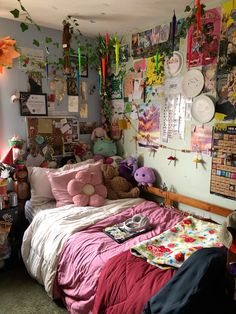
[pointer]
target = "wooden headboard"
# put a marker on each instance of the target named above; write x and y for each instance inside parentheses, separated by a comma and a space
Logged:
(170, 197)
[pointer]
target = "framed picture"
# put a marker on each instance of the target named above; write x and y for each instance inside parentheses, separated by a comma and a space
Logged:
(72, 89)
(33, 104)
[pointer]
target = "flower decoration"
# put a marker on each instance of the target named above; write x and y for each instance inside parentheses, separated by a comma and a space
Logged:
(198, 160)
(7, 52)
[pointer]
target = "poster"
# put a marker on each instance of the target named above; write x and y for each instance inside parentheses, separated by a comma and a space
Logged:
(149, 125)
(201, 139)
(155, 77)
(32, 60)
(223, 172)
(205, 50)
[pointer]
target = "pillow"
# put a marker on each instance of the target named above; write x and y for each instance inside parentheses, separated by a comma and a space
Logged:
(41, 192)
(59, 182)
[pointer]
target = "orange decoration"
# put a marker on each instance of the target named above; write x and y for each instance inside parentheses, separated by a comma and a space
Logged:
(7, 52)
(103, 68)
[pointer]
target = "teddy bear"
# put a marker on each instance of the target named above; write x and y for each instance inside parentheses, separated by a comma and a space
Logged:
(87, 188)
(117, 186)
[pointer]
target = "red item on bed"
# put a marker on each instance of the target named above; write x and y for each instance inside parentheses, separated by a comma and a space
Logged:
(123, 290)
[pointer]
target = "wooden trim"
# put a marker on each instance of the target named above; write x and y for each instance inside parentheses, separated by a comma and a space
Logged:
(170, 197)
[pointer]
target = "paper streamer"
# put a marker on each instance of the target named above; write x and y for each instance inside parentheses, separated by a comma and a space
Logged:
(173, 31)
(78, 81)
(117, 53)
(157, 61)
(99, 81)
(103, 69)
(198, 17)
(107, 44)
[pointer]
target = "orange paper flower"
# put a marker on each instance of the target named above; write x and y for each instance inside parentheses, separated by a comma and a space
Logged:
(7, 52)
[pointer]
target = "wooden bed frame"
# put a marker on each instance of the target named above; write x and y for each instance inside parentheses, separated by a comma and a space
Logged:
(171, 197)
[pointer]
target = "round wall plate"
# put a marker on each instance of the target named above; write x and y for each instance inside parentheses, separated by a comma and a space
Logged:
(203, 109)
(193, 83)
(174, 65)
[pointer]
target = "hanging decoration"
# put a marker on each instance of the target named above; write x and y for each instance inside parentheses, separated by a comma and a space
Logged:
(107, 43)
(198, 16)
(172, 158)
(78, 72)
(103, 69)
(157, 60)
(173, 24)
(117, 50)
(7, 52)
(99, 81)
(198, 160)
(46, 65)
(66, 39)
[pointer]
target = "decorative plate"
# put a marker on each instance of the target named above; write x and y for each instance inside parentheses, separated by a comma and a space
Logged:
(193, 83)
(203, 109)
(174, 65)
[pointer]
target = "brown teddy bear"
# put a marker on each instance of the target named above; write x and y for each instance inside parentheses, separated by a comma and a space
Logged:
(117, 186)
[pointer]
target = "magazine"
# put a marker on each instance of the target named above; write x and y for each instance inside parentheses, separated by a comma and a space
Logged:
(120, 234)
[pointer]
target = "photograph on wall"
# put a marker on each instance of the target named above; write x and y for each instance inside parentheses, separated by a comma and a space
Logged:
(35, 82)
(209, 73)
(32, 60)
(206, 51)
(149, 125)
(87, 127)
(201, 139)
(72, 84)
(124, 53)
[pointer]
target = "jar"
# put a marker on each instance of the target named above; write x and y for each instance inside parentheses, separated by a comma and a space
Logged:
(13, 202)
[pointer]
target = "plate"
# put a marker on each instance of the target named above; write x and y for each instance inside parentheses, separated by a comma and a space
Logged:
(192, 83)
(174, 65)
(203, 109)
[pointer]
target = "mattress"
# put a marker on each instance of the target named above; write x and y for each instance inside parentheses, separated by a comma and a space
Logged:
(31, 211)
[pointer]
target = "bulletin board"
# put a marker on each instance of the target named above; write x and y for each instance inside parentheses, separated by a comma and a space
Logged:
(223, 173)
(59, 132)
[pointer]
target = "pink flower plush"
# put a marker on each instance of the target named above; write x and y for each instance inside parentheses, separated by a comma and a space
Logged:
(87, 188)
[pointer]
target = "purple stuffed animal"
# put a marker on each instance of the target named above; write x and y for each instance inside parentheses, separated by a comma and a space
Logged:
(127, 168)
(145, 176)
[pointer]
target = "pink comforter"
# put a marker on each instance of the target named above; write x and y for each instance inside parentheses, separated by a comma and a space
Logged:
(86, 252)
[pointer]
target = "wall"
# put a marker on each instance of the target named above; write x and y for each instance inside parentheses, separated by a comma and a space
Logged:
(15, 80)
(184, 178)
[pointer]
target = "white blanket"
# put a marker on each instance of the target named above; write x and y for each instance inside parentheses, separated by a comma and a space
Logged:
(49, 230)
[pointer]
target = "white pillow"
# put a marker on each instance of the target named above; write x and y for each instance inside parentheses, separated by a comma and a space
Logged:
(41, 192)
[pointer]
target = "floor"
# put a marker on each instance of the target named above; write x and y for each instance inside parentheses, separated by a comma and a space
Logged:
(21, 294)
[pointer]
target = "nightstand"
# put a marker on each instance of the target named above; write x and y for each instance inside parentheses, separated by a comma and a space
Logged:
(15, 216)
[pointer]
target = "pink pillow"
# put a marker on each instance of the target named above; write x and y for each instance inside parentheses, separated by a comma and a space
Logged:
(59, 182)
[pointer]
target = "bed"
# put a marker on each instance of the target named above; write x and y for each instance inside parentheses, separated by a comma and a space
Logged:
(65, 248)
(130, 284)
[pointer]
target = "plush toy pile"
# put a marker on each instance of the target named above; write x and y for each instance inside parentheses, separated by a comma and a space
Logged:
(117, 186)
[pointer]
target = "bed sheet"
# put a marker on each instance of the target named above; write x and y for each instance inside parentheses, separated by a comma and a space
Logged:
(85, 253)
(44, 238)
(31, 211)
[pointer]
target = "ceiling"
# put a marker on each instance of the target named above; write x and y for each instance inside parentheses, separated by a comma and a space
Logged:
(101, 16)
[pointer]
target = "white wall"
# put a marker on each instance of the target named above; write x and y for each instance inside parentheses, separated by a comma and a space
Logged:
(15, 80)
(184, 178)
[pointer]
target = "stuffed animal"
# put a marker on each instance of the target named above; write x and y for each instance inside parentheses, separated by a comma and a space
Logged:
(105, 147)
(117, 186)
(99, 133)
(145, 176)
(128, 167)
(87, 189)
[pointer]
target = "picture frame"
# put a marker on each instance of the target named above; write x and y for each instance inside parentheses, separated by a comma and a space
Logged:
(71, 79)
(33, 104)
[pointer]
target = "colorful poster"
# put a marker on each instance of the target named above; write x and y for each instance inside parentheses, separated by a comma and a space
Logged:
(209, 73)
(155, 77)
(223, 172)
(140, 65)
(227, 53)
(201, 139)
(149, 125)
(204, 50)
(117, 110)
